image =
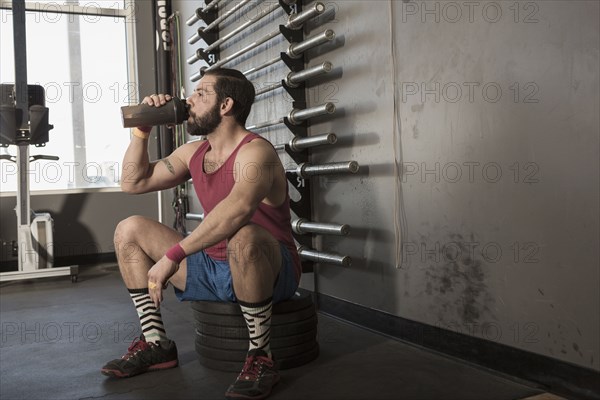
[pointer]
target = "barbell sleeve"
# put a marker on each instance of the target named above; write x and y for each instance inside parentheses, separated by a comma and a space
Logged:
(196, 36)
(293, 79)
(306, 170)
(303, 226)
(212, 4)
(298, 144)
(195, 57)
(295, 21)
(296, 49)
(199, 11)
(194, 217)
(323, 257)
(296, 116)
(245, 25)
(196, 76)
(194, 18)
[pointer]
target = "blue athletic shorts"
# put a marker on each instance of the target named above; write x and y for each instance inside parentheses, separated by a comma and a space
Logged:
(210, 280)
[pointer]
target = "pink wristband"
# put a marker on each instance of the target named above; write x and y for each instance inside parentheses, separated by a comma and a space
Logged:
(176, 254)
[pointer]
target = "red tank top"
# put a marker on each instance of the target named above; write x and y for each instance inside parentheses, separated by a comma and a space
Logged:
(214, 187)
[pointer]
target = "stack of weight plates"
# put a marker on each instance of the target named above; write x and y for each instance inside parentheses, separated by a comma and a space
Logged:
(222, 335)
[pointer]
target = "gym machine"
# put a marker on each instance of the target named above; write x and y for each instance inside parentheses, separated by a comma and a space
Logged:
(299, 116)
(24, 122)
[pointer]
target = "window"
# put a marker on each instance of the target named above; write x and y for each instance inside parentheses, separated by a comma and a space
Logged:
(77, 51)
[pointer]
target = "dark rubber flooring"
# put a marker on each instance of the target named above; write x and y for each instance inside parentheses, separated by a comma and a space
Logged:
(56, 335)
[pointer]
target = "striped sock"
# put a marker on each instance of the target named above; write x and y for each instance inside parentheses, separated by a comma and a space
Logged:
(150, 319)
(258, 320)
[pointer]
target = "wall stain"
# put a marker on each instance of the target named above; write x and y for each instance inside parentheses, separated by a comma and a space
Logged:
(577, 350)
(458, 284)
(417, 107)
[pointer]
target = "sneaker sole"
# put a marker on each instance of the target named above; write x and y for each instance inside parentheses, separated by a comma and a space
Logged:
(236, 396)
(115, 373)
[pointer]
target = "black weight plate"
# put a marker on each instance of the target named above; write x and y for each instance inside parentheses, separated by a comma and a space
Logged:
(240, 355)
(285, 363)
(239, 321)
(296, 302)
(242, 344)
(231, 332)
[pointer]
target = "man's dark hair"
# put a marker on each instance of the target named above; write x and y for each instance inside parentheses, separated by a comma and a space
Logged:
(232, 83)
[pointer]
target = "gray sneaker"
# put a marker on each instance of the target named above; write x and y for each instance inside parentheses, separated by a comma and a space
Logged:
(257, 378)
(143, 357)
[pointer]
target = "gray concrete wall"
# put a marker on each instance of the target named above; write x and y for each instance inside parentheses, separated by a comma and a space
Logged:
(526, 223)
(84, 223)
(476, 126)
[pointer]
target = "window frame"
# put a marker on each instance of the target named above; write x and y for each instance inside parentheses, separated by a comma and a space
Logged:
(128, 12)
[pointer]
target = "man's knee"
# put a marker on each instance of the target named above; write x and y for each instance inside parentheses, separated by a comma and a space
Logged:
(252, 243)
(127, 228)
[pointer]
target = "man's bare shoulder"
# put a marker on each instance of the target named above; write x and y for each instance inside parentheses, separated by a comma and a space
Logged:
(187, 150)
(260, 148)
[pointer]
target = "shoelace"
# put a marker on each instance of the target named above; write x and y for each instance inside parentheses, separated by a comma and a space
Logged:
(253, 367)
(137, 345)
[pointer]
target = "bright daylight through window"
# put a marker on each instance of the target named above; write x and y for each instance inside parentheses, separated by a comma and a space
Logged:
(77, 51)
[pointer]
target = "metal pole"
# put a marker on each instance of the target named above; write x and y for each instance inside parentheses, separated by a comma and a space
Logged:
(196, 36)
(196, 76)
(198, 14)
(226, 15)
(194, 18)
(265, 124)
(296, 116)
(195, 57)
(217, 21)
(323, 257)
(294, 22)
(212, 5)
(163, 75)
(296, 49)
(249, 47)
(297, 20)
(298, 144)
(305, 170)
(302, 226)
(293, 79)
(194, 217)
(245, 25)
(268, 88)
(263, 65)
(25, 261)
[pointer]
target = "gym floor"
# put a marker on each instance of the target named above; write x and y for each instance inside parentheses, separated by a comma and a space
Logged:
(56, 335)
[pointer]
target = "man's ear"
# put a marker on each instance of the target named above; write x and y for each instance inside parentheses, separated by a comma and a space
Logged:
(227, 105)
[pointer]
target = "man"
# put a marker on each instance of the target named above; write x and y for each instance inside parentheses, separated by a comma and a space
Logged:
(243, 250)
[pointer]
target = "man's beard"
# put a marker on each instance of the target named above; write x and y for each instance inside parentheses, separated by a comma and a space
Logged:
(206, 124)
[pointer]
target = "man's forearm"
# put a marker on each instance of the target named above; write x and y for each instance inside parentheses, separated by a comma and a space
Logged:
(223, 221)
(136, 162)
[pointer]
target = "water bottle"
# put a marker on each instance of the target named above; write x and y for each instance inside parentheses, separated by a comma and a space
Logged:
(175, 112)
